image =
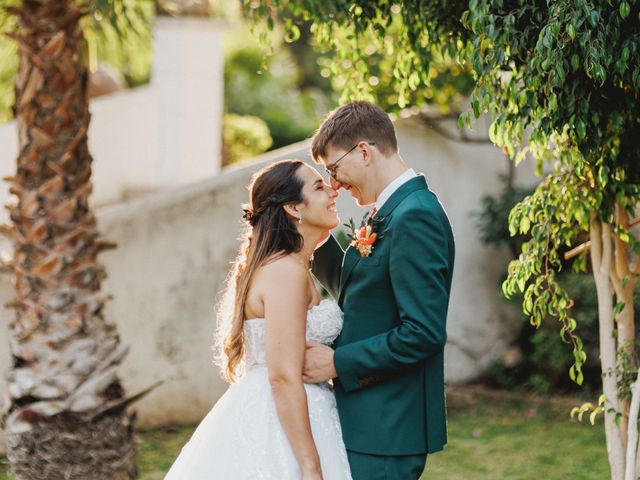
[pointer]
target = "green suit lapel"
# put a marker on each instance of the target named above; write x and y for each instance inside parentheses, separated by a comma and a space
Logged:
(352, 256)
(351, 259)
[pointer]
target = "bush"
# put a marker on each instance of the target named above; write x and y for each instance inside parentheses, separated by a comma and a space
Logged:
(544, 359)
(272, 91)
(541, 360)
(244, 136)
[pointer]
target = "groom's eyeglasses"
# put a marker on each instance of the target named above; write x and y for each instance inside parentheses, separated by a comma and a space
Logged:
(333, 168)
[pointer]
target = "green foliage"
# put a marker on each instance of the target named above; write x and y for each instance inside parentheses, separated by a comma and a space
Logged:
(382, 51)
(117, 31)
(493, 218)
(562, 72)
(553, 225)
(269, 87)
(8, 65)
(594, 410)
(550, 71)
(125, 17)
(562, 81)
(545, 358)
(244, 136)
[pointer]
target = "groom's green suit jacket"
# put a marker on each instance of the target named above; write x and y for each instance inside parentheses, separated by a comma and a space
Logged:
(389, 356)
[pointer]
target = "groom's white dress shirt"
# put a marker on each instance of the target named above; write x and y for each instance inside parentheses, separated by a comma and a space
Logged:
(393, 186)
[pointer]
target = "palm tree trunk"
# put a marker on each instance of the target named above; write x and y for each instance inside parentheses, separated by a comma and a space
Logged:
(66, 417)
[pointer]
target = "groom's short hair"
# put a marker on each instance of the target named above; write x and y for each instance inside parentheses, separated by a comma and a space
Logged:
(351, 123)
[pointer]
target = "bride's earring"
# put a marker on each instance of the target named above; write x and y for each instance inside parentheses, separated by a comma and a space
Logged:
(300, 220)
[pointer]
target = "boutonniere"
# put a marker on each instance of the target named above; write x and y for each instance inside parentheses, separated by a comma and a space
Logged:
(367, 234)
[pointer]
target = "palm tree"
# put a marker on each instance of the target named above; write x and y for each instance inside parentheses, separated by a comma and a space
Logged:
(67, 413)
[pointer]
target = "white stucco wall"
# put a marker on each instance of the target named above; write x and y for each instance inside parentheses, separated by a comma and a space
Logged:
(480, 323)
(174, 252)
(188, 75)
(161, 135)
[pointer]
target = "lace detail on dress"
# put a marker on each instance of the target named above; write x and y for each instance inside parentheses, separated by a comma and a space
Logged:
(242, 438)
(324, 323)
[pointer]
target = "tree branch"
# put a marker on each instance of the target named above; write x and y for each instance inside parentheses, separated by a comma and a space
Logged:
(622, 252)
(595, 246)
(574, 252)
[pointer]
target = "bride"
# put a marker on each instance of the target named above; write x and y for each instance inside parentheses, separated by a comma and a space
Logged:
(269, 424)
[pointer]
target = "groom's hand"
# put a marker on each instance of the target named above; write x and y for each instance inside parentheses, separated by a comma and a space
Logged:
(318, 363)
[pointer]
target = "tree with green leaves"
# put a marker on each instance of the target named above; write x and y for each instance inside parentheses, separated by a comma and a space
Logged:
(372, 54)
(66, 416)
(561, 80)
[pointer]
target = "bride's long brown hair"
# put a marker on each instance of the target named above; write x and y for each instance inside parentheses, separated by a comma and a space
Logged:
(269, 233)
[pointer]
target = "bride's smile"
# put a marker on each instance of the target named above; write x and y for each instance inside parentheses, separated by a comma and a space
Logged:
(318, 209)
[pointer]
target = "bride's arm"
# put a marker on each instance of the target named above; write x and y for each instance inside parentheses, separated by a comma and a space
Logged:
(285, 305)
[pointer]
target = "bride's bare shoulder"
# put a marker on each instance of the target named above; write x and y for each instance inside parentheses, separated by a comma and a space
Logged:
(277, 277)
(282, 268)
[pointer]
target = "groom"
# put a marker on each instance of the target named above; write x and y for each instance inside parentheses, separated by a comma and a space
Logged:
(388, 363)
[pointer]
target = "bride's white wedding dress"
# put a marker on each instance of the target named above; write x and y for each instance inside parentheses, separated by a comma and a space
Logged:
(241, 437)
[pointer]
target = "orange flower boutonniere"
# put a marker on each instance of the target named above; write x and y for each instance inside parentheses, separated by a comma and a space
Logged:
(366, 235)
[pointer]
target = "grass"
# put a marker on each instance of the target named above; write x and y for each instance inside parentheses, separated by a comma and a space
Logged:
(498, 436)
(159, 448)
(492, 436)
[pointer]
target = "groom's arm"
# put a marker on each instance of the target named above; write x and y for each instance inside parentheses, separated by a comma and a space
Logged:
(419, 268)
(327, 265)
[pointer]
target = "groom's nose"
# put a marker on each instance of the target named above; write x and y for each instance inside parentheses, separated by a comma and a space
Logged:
(335, 184)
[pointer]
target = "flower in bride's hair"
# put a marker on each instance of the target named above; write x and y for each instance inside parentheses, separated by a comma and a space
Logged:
(248, 214)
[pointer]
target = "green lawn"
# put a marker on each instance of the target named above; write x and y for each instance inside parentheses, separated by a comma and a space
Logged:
(491, 436)
(505, 437)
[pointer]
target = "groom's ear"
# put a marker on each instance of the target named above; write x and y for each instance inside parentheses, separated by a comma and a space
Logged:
(365, 151)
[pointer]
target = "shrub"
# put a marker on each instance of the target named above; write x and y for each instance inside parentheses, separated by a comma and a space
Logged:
(271, 91)
(542, 359)
(244, 136)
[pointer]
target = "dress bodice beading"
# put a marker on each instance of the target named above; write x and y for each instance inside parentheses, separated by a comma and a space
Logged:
(324, 323)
